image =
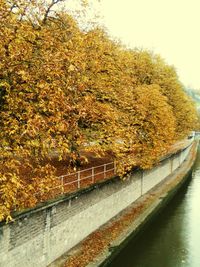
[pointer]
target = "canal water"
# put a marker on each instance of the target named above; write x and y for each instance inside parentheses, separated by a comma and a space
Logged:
(172, 239)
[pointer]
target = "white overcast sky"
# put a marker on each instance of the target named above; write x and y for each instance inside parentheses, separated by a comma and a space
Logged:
(168, 27)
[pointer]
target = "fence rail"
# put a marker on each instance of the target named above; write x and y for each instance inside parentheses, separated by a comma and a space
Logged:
(83, 178)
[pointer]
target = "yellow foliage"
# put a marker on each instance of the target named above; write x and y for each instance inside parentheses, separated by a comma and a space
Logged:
(62, 88)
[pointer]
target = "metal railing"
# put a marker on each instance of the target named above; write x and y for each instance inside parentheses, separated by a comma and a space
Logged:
(82, 178)
(74, 181)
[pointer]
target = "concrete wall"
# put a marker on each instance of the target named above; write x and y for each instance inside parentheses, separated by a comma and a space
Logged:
(40, 236)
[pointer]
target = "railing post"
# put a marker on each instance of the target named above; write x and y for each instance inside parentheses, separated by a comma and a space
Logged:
(115, 171)
(92, 174)
(79, 178)
(62, 185)
(104, 171)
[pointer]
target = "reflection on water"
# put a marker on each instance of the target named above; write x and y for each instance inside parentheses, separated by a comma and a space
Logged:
(173, 238)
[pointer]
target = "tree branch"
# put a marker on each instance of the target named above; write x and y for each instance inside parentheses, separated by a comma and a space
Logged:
(53, 3)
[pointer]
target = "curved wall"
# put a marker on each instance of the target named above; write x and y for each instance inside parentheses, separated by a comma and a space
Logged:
(40, 236)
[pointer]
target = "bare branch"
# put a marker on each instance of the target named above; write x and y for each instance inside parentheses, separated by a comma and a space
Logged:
(53, 3)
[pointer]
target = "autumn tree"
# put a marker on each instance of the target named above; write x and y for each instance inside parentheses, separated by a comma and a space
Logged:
(40, 85)
(140, 112)
(152, 69)
(64, 90)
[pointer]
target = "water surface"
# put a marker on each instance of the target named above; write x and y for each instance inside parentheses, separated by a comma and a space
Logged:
(173, 238)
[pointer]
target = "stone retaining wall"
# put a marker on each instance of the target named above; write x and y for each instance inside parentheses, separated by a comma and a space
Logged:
(39, 236)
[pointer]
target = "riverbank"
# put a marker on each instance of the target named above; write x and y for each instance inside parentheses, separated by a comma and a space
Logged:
(102, 245)
(88, 223)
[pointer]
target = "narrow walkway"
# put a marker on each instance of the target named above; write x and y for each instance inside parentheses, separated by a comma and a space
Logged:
(85, 177)
(99, 245)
